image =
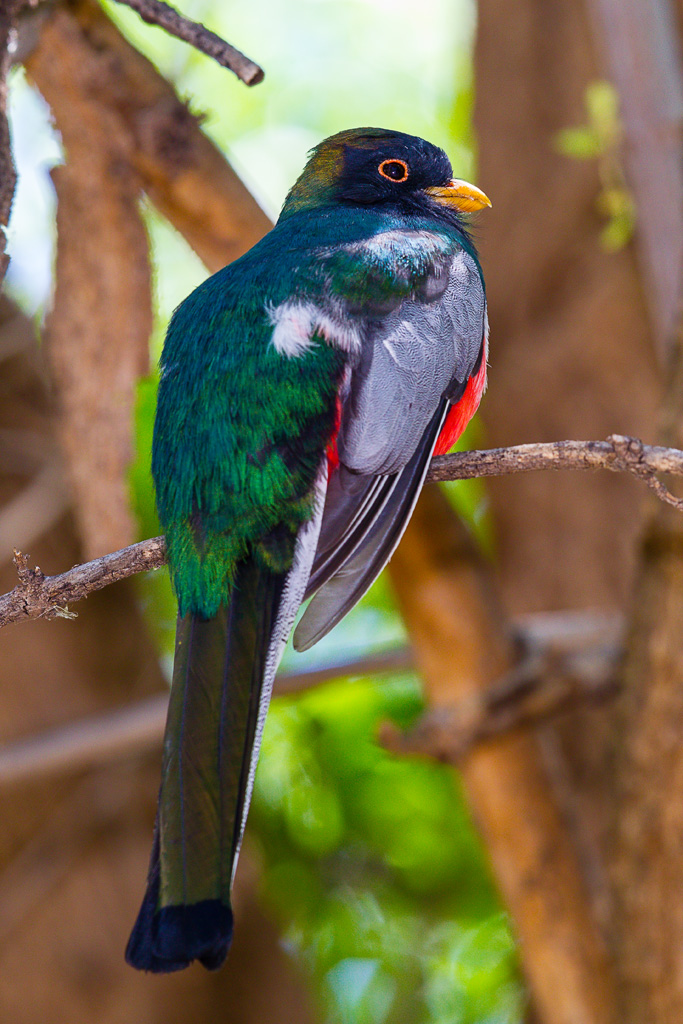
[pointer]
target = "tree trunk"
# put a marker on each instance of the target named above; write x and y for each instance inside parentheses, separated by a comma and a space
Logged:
(648, 810)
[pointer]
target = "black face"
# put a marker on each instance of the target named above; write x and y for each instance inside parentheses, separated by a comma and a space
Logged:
(392, 168)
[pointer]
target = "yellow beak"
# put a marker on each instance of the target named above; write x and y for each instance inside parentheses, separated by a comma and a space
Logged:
(460, 194)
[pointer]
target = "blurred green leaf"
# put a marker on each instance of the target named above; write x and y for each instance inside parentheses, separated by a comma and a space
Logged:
(602, 104)
(580, 143)
(617, 233)
(397, 863)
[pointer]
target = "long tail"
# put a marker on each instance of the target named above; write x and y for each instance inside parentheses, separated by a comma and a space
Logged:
(222, 681)
(209, 759)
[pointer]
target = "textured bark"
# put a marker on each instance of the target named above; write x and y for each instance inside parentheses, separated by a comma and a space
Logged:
(457, 635)
(184, 174)
(648, 812)
(97, 333)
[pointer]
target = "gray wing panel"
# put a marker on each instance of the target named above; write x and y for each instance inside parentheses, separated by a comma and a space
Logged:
(340, 592)
(410, 359)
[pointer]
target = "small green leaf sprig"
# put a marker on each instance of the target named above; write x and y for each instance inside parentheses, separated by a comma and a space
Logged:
(601, 139)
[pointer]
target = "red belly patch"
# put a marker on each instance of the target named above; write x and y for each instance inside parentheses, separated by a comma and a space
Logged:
(332, 453)
(460, 414)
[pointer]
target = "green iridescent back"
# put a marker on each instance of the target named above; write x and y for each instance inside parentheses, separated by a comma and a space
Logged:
(241, 429)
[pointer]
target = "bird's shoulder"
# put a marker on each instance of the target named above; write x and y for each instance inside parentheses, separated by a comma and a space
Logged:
(371, 260)
(348, 268)
(319, 273)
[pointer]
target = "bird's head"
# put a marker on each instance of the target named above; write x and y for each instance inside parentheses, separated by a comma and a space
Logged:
(378, 167)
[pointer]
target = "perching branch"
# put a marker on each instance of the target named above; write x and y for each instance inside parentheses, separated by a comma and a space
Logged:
(47, 597)
(156, 12)
(618, 453)
(39, 596)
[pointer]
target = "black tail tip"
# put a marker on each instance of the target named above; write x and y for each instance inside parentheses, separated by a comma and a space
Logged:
(169, 939)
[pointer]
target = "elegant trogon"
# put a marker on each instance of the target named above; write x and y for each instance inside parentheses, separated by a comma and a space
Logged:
(304, 389)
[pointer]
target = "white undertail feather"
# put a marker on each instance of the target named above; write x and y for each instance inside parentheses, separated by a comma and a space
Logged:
(290, 602)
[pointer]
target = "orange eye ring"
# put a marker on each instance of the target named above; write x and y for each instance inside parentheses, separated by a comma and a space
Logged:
(394, 170)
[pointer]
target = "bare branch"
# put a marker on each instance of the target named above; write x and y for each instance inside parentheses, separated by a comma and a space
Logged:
(184, 174)
(46, 597)
(618, 453)
(567, 659)
(155, 12)
(40, 596)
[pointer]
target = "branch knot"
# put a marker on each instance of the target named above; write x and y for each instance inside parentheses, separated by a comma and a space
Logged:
(30, 580)
(628, 453)
(629, 456)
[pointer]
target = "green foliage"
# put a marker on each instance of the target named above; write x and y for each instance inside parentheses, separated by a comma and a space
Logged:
(372, 866)
(601, 139)
(602, 132)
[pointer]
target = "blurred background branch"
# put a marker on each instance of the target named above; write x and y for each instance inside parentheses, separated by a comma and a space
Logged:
(571, 658)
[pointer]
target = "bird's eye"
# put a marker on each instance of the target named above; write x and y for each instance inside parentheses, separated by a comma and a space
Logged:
(394, 170)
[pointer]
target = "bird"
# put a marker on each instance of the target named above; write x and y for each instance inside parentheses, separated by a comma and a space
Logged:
(303, 391)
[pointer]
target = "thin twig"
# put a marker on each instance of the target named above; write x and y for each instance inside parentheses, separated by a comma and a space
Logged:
(39, 596)
(156, 12)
